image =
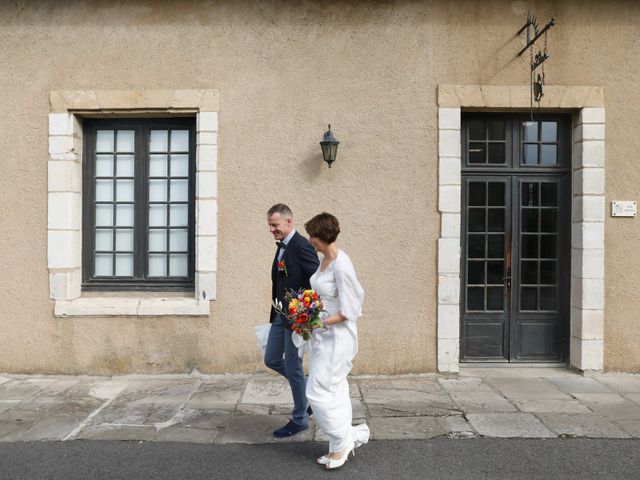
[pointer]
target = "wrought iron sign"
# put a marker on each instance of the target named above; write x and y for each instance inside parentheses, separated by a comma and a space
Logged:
(538, 58)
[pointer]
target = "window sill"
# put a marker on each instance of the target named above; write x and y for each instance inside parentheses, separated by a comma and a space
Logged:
(131, 307)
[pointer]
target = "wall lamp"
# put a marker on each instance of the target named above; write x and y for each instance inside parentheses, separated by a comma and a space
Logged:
(329, 146)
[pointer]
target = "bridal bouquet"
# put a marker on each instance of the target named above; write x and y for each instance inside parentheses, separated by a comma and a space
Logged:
(304, 309)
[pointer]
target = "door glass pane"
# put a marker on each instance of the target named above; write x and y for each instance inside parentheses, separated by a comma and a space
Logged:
(549, 132)
(495, 272)
(124, 215)
(179, 165)
(529, 246)
(157, 265)
(476, 130)
(496, 246)
(124, 190)
(496, 129)
(179, 190)
(475, 246)
(548, 220)
(528, 298)
(125, 142)
(104, 239)
(548, 274)
(529, 272)
(157, 240)
(179, 240)
(549, 155)
(530, 131)
(124, 265)
(178, 265)
(104, 215)
(104, 265)
(179, 215)
(477, 153)
(125, 166)
(496, 194)
(104, 190)
(157, 165)
(530, 154)
(549, 194)
(475, 298)
(548, 298)
(475, 275)
(124, 240)
(496, 220)
(157, 215)
(497, 152)
(477, 194)
(104, 165)
(495, 298)
(548, 246)
(477, 219)
(158, 141)
(157, 190)
(529, 220)
(104, 141)
(179, 140)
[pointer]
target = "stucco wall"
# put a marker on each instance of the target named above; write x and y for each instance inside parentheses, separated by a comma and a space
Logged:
(283, 71)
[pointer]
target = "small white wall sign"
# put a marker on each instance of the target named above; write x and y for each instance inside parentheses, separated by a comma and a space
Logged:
(623, 208)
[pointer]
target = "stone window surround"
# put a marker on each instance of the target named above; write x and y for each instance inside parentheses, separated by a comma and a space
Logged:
(588, 211)
(64, 238)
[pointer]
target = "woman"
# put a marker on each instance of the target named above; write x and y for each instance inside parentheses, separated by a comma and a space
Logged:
(335, 343)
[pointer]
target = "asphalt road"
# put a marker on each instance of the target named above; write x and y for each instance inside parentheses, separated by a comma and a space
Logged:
(429, 459)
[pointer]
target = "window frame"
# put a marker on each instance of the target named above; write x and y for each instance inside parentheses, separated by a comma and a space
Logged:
(139, 281)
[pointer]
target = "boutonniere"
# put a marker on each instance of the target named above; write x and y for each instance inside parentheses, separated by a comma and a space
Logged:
(282, 267)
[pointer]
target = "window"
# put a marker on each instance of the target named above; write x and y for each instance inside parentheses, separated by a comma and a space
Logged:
(139, 204)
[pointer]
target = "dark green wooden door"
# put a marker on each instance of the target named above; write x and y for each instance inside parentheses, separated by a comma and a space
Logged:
(515, 239)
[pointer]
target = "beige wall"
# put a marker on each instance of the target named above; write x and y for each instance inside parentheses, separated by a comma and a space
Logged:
(284, 70)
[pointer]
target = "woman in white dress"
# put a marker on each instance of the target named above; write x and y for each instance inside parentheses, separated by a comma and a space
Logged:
(334, 344)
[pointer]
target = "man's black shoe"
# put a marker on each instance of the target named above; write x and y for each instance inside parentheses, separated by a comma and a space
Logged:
(289, 429)
(309, 411)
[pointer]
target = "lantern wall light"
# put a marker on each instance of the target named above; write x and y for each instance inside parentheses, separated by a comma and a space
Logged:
(329, 146)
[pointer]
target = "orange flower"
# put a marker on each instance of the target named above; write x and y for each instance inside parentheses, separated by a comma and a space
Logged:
(293, 327)
(303, 317)
(315, 296)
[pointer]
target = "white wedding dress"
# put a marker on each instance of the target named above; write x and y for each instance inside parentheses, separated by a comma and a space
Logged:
(331, 353)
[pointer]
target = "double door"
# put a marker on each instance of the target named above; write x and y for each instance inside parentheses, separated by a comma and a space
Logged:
(515, 246)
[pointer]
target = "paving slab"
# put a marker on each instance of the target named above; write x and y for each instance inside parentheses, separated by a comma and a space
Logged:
(621, 382)
(202, 419)
(610, 405)
(406, 428)
(187, 434)
(519, 388)
(267, 391)
(509, 425)
(464, 384)
(255, 429)
(117, 432)
(55, 427)
(581, 425)
(220, 393)
(634, 397)
(552, 406)
(15, 420)
(23, 389)
(632, 427)
(579, 384)
(481, 402)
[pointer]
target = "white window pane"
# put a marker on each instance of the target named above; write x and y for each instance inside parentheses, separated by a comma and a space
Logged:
(179, 240)
(179, 165)
(104, 239)
(104, 265)
(125, 141)
(158, 141)
(124, 240)
(157, 165)
(124, 190)
(157, 265)
(157, 190)
(124, 215)
(124, 265)
(104, 215)
(157, 240)
(179, 140)
(178, 265)
(104, 165)
(124, 166)
(157, 215)
(179, 215)
(104, 141)
(104, 190)
(179, 190)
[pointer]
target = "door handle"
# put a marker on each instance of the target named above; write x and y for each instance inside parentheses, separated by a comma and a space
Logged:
(507, 279)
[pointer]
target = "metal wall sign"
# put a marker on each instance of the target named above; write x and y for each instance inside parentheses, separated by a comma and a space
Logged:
(621, 208)
(536, 77)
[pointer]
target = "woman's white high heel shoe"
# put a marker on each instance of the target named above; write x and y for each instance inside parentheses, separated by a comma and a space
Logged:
(323, 460)
(338, 462)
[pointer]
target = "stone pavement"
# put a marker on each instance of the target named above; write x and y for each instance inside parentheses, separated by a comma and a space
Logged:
(479, 402)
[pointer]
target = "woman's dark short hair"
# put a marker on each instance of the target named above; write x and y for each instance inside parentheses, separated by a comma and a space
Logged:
(323, 226)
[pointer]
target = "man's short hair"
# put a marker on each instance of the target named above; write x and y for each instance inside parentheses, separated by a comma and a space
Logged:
(280, 208)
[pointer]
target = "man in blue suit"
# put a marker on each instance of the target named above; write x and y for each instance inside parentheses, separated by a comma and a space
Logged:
(294, 263)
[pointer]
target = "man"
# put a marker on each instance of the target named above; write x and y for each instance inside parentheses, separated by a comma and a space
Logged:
(294, 263)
